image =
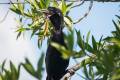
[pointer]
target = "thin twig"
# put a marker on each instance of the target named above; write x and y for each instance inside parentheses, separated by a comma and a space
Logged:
(82, 1)
(4, 17)
(86, 14)
(8, 3)
(72, 70)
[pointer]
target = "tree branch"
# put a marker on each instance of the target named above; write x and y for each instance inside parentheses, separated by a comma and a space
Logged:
(86, 14)
(90, 0)
(8, 3)
(72, 70)
(105, 0)
(3, 19)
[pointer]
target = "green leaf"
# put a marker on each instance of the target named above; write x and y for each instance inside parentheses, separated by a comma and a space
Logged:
(36, 4)
(14, 72)
(117, 28)
(21, 8)
(91, 72)
(87, 38)
(94, 43)
(78, 54)
(85, 70)
(118, 16)
(47, 3)
(8, 75)
(65, 53)
(88, 48)
(17, 8)
(63, 7)
(69, 40)
(35, 28)
(42, 4)
(68, 22)
(100, 44)
(2, 77)
(80, 41)
(39, 43)
(40, 66)
(18, 35)
(17, 11)
(113, 40)
(28, 14)
(55, 4)
(20, 31)
(69, 6)
(116, 75)
(3, 64)
(28, 66)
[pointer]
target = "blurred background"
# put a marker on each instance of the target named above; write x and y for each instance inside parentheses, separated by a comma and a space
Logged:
(99, 22)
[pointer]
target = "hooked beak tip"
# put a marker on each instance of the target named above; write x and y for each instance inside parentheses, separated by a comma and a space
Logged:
(46, 12)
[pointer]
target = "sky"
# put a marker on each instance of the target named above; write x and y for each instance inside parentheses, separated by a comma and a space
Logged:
(12, 49)
(99, 22)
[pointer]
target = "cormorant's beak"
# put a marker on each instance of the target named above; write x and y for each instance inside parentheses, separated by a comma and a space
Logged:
(46, 12)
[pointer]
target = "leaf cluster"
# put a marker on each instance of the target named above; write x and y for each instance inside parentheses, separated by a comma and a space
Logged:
(14, 73)
(101, 58)
(31, 17)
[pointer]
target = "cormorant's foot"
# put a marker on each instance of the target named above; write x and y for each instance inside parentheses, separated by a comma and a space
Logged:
(71, 71)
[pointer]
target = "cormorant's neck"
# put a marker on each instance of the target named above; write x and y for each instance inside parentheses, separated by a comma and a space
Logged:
(58, 37)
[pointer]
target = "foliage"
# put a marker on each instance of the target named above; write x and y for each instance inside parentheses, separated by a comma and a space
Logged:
(13, 73)
(103, 56)
(32, 18)
(101, 59)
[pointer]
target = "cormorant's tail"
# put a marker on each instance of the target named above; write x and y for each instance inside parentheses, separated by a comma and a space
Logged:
(47, 78)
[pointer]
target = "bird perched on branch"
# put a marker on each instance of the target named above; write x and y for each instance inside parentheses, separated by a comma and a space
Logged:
(55, 64)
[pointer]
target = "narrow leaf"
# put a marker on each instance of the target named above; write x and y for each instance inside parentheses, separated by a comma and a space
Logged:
(28, 66)
(47, 3)
(117, 27)
(65, 53)
(14, 72)
(94, 43)
(87, 38)
(68, 22)
(80, 40)
(40, 66)
(55, 4)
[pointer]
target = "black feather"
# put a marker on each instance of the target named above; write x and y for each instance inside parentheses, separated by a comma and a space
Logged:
(55, 64)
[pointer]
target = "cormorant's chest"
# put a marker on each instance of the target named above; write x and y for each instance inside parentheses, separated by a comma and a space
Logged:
(58, 38)
(52, 52)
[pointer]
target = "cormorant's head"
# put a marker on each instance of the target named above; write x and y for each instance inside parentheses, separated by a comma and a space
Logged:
(56, 17)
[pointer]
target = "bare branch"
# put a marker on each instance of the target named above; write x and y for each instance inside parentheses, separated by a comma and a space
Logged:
(82, 1)
(8, 3)
(4, 17)
(86, 14)
(94, 0)
(72, 70)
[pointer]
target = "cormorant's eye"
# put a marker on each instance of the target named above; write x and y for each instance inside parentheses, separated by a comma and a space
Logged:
(59, 14)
